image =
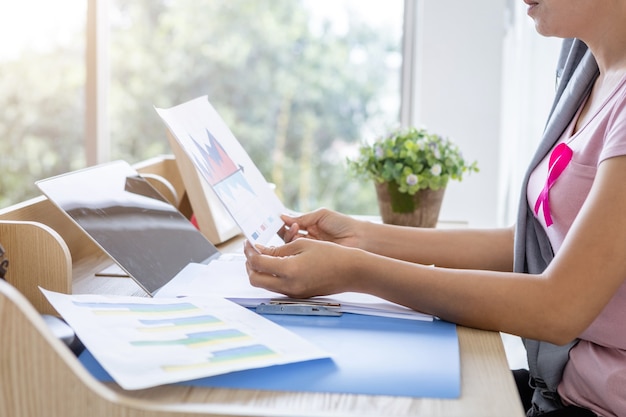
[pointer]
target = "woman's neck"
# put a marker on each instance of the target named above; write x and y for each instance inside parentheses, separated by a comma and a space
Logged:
(603, 87)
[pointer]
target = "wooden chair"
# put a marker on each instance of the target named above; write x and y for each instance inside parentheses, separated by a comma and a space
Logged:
(39, 374)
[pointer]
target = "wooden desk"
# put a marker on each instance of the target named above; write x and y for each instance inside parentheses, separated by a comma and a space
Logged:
(487, 387)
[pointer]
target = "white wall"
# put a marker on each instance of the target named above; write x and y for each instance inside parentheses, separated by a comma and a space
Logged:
(527, 92)
(464, 48)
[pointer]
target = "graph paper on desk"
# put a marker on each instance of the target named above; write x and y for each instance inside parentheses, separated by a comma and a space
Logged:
(144, 342)
(369, 355)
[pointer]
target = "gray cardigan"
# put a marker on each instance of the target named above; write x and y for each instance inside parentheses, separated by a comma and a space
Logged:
(576, 72)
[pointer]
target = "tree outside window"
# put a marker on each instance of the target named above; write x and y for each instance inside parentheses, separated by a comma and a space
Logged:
(300, 83)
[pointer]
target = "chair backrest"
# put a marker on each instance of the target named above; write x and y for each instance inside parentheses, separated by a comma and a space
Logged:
(38, 257)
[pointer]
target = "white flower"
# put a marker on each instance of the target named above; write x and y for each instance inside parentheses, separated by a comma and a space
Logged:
(379, 152)
(436, 170)
(411, 179)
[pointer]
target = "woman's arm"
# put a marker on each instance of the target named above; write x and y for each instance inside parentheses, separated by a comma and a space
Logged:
(555, 306)
(462, 248)
(490, 249)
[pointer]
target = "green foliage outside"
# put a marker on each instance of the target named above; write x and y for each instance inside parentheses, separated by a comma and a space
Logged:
(42, 120)
(292, 94)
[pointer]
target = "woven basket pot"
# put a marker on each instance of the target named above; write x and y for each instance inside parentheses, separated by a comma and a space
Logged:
(419, 210)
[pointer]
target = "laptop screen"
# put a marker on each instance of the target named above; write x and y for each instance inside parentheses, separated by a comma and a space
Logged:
(131, 221)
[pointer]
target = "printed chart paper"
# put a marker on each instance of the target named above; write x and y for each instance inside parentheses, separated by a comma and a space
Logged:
(226, 166)
(145, 342)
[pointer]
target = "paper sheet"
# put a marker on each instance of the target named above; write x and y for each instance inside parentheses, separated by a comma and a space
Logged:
(228, 278)
(226, 166)
(145, 342)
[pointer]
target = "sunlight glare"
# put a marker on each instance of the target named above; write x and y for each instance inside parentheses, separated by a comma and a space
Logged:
(38, 25)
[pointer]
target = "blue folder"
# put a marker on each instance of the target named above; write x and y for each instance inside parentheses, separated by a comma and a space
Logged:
(370, 355)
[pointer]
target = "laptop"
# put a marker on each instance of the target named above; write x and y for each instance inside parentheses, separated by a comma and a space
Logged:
(131, 221)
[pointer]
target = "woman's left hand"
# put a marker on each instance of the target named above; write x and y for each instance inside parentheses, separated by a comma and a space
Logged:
(300, 269)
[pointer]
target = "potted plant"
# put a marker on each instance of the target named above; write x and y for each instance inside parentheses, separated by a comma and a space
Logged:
(411, 168)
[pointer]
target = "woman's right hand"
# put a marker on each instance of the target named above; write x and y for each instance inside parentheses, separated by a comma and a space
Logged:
(323, 224)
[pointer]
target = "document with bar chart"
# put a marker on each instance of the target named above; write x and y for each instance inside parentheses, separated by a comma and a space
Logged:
(227, 168)
(145, 342)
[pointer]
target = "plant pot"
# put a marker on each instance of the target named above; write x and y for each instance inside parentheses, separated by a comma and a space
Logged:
(419, 210)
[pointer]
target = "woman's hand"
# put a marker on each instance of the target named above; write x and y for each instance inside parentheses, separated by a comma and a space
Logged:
(323, 224)
(301, 269)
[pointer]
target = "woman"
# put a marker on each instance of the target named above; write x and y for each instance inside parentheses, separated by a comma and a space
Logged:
(557, 277)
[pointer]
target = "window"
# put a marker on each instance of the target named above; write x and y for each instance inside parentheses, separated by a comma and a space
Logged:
(41, 93)
(300, 83)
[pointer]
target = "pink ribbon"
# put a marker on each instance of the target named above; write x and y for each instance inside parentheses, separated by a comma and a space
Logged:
(559, 159)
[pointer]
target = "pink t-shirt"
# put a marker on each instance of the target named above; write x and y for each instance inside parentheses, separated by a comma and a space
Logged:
(595, 375)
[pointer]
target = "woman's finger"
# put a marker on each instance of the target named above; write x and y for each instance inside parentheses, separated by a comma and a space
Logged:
(268, 259)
